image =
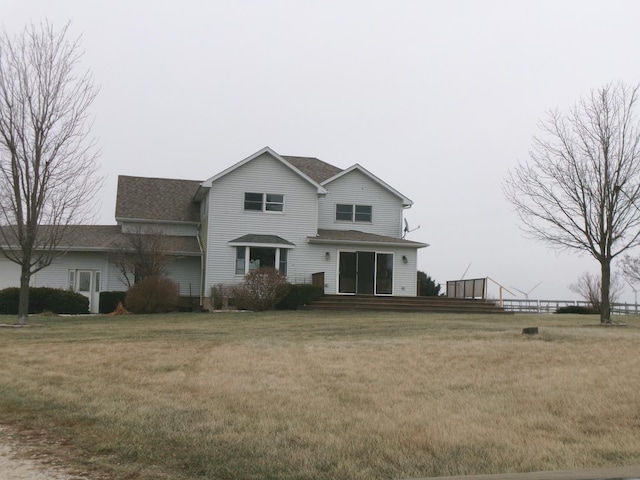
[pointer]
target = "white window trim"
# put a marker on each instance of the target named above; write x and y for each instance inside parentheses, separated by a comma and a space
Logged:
(353, 213)
(264, 203)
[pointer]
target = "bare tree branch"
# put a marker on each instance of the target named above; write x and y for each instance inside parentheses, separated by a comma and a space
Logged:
(581, 185)
(48, 163)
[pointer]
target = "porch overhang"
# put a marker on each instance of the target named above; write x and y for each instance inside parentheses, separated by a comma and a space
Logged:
(268, 241)
(355, 237)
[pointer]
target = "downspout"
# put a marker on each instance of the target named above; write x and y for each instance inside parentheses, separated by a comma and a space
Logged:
(202, 262)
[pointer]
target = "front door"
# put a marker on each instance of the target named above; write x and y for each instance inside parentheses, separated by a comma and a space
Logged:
(357, 272)
(88, 284)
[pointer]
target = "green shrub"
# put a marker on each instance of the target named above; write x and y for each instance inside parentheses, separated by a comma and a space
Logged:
(109, 301)
(578, 309)
(154, 294)
(44, 299)
(297, 295)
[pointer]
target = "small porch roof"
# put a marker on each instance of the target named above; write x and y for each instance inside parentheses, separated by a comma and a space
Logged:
(356, 237)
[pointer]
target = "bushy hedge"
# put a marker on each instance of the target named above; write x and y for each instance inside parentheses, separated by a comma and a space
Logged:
(298, 295)
(109, 301)
(43, 299)
(154, 294)
(578, 309)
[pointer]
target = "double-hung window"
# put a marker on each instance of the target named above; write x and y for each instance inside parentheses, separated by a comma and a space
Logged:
(263, 202)
(354, 213)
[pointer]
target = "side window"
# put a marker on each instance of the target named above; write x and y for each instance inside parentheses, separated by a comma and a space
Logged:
(363, 213)
(264, 202)
(344, 212)
(253, 201)
(275, 203)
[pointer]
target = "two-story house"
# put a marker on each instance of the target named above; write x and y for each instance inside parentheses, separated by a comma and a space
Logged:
(297, 214)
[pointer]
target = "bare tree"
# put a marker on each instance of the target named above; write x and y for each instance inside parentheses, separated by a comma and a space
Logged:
(631, 268)
(580, 188)
(47, 161)
(589, 287)
(143, 253)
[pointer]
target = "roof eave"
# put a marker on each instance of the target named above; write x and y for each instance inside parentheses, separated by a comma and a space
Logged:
(372, 243)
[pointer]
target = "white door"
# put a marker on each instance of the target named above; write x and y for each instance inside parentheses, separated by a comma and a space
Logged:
(88, 284)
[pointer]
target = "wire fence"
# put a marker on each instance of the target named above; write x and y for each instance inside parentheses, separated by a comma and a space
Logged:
(550, 306)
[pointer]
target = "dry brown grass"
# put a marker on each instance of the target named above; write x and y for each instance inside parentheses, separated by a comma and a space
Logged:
(306, 395)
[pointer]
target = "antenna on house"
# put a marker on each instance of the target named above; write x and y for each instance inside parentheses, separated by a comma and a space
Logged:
(407, 229)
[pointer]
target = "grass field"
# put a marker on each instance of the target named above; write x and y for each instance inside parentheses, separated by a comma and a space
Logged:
(304, 395)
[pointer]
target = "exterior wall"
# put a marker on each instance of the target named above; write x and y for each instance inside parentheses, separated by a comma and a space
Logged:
(10, 273)
(357, 188)
(187, 273)
(404, 274)
(177, 229)
(228, 220)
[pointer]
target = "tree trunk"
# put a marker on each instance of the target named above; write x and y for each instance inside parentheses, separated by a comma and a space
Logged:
(23, 303)
(605, 307)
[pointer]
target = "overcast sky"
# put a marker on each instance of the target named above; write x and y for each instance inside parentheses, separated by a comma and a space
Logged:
(437, 98)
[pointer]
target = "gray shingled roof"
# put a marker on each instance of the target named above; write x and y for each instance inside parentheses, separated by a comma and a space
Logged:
(356, 236)
(162, 199)
(313, 168)
(270, 239)
(106, 237)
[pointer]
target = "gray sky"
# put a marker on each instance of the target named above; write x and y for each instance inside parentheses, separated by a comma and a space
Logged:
(438, 98)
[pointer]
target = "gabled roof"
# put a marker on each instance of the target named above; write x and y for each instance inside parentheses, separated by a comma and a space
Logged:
(406, 202)
(157, 199)
(207, 183)
(313, 167)
(347, 237)
(103, 238)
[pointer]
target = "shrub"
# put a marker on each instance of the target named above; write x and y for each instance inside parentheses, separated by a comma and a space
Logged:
(578, 309)
(153, 295)
(297, 295)
(44, 299)
(109, 301)
(262, 289)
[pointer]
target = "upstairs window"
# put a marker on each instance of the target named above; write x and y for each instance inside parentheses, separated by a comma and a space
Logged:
(354, 213)
(263, 202)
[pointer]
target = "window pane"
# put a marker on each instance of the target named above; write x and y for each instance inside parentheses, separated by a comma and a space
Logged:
(344, 212)
(363, 213)
(261, 258)
(72, 279)
(253, 201)
(275, 203)
(240, 256)
(384, 273)
(283, 261)
(97, 282)
(84, 281)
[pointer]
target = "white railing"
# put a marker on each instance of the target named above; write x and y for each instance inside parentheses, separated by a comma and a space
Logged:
(550, 306)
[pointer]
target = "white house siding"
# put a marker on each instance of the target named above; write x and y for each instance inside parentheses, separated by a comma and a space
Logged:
(176, 229)
(186, 272)
(10, 276)
(264, 174)
(358, 189)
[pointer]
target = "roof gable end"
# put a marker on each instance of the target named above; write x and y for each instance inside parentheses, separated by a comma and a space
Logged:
(209, 182)
(406, 202)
